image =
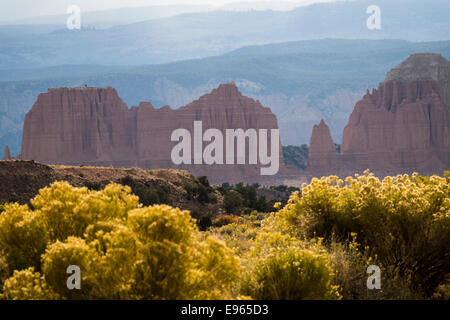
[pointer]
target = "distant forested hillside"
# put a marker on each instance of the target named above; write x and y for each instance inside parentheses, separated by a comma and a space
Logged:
(296, 156)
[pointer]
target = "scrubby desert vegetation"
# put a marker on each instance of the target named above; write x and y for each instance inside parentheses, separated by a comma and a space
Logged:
(316, 246)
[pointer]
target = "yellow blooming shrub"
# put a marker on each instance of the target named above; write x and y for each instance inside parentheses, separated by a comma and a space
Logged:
(23, 237)
(404, 220)
(218, 267)
(59, 256)
(281, 267)
(67, 211)
(442, 292)
(123, 250)
(165, 270)
(113, 269)
(27, 285)
(316, 247)
(174, 264)
(294, 273)
(4, 270)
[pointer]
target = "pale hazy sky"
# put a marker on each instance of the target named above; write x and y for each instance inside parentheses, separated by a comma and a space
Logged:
(19, 9)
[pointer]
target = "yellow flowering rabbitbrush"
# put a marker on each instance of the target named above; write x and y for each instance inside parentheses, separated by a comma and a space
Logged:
(124, 250)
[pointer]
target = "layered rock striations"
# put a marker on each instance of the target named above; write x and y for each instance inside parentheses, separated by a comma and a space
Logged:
(93, 126)
(402, 126)
(424, 66)
(78, 125)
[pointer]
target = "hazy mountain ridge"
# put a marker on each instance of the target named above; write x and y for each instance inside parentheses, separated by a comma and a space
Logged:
(197, 35)
(113, 17)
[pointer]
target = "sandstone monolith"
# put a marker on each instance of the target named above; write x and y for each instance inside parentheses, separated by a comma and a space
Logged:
(7, 154)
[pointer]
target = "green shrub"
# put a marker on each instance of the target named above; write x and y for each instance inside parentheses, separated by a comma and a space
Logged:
(204, 181)
(204, 223)
(244, 198)
(93, 185)
(201, 192)
(232, 201)
(148, 195)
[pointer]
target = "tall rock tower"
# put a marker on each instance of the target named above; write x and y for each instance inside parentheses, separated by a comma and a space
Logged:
(7, 154)
(322, 156)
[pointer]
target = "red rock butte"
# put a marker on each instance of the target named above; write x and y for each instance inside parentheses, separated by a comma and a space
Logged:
(93, 126)
(7, 154)
(322, 151)
(403, 126)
